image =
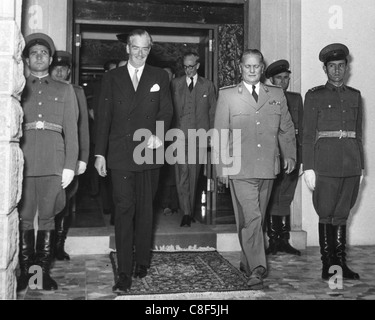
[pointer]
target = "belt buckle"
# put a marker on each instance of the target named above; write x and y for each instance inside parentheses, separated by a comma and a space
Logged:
(39, 125)
(343, 134)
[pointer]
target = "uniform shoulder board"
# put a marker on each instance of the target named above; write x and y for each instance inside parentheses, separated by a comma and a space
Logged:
(354, 89)
(317, 88)
(227, 87)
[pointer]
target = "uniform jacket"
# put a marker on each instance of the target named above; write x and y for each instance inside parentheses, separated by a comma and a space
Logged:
(295, 107)
(48, 152)
(328, 108)
(83, 125)
(205, 103)
(122, 111)
(265, 125)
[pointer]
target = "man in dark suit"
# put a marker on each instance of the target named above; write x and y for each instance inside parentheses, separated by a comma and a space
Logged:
(50, 149)
(253, 122)
(284, 186)
(60, 71)
(194, 103)
(333, 157)
(133, 98)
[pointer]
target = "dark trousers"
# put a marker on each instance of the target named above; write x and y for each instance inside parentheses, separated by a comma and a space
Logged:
(334, 197)
(43, 195)
(250, 198)
(133, 194)
(283, 191)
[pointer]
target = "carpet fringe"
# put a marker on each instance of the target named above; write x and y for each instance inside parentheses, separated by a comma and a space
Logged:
(177, 248)
(221, 295)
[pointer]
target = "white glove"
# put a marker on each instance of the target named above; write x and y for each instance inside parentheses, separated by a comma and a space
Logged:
(67, 177)
(81, 167)
(310, 179)
(100, 166)
(154, 142)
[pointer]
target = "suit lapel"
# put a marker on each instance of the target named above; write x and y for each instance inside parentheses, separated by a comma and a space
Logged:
(263, 96)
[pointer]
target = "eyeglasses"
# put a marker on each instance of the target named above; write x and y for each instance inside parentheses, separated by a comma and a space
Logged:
(190, 67)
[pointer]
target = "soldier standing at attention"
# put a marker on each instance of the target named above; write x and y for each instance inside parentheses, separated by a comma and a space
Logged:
(284, 186)
(50, 149)
(333, 155)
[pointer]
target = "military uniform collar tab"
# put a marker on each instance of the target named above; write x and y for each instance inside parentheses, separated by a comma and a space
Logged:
(332, 87)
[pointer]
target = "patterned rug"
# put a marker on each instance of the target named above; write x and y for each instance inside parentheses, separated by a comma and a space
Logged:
(187, 275)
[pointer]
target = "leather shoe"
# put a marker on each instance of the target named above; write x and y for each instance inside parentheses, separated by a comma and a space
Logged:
(187, 220)
(123, 283)
(255, 281)
(244, 270)
(140, 271)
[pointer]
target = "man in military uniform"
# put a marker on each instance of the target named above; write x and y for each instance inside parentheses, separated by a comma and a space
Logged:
(260, 114)
(284, 186)
(50, 149)
(60, 71)
(333, 155)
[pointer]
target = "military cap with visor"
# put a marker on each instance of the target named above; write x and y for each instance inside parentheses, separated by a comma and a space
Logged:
(334, 52)
(41, 39)
(62, 58)
(277, 67)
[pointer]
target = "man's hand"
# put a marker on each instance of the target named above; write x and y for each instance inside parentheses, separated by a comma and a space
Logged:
(81, 167)
(67, 177)
(100, 166)
(310, 179)
(154, 142)
(224, 180)
(289, 165)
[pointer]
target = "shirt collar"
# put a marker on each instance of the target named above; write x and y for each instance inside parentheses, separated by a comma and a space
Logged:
(195, 79)
(131, 70)
(332, 87)
(250, 87)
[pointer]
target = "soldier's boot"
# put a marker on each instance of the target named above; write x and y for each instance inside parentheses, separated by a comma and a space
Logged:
(44, 255)
(273, 232)
(339, 239)
(326, 248)
(62, 224)
(284, 245)
(26, 257)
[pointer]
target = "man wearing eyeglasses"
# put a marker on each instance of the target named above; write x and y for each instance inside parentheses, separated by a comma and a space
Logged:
(284, 186)
(194, 103)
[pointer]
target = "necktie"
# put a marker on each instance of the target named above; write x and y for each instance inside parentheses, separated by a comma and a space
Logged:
(135, 79)
(191, 84)
(255, 95)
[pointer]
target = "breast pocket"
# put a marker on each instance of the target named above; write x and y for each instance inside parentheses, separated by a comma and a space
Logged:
(327, 112)
(274, 116)
(240, 120)
(56, 105)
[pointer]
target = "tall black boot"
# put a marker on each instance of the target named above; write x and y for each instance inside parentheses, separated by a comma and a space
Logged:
(273, 232)
(326, 248)
(340, 254)
(26, 257)
(285, 246)
(44, 254)
(62, 224)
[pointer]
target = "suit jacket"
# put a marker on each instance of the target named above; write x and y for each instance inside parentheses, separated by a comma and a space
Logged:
(47, 152)
(205, 102)
(328, 108)
(122, 111)
(264, 126)
(83, 125)
(295, 107)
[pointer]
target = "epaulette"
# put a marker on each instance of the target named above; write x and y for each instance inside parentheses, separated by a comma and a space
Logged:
(317, 88)
(228, 87)
(354, 89)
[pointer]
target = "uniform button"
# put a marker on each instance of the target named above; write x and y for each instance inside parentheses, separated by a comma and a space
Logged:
(56, 99)
(343, 110)
(258, 145)
(39, 115)
(257, 112)
(40, 103)
(40, 92)
(258, 123)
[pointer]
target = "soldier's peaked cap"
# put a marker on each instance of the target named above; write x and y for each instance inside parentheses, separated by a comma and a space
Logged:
(277, 67)
(62, 58)
(334, 51)
(39, 38)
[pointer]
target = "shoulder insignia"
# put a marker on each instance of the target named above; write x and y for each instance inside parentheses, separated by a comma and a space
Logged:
(317, 88)
(228, 87)
(353, 89)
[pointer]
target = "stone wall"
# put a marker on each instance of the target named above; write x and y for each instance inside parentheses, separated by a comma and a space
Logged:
(12, 82)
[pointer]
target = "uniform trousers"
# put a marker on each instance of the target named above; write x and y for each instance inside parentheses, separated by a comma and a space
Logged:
(333, 198)
(133, 194)
(43, 195)
(250, 198)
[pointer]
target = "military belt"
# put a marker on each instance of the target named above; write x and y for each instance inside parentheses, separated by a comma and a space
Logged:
(337, 134)
(43, 125)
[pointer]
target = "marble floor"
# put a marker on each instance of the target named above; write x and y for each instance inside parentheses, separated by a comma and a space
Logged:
(90, 277)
